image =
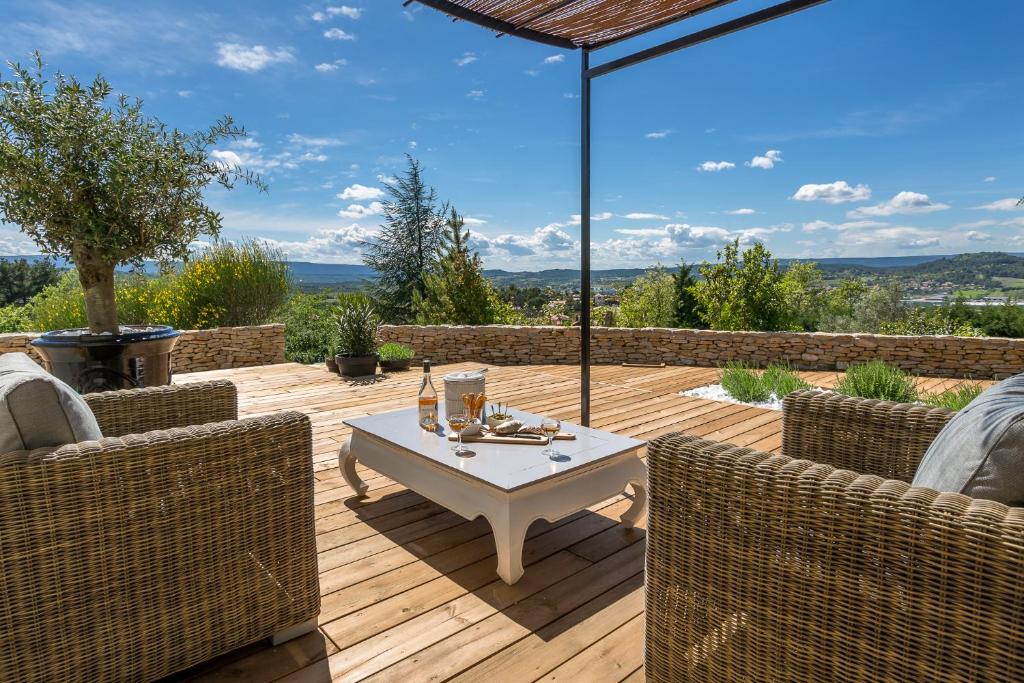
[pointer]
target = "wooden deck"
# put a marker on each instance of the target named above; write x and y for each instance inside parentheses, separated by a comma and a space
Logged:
(409, 589)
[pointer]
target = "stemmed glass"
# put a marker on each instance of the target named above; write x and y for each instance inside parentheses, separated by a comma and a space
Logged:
(458, 423)
(551, 426)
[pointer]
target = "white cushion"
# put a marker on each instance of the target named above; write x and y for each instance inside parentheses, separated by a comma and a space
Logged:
(980, 452)
(37, 410)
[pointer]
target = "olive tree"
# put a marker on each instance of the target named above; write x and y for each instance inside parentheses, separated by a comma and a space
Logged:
(99, 183)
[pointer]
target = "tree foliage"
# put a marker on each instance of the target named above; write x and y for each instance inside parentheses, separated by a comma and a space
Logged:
(742, 291)
(687, 309)
(456, 292)
(406, 248)
(650, 301)
(21, 280)
(100, 183)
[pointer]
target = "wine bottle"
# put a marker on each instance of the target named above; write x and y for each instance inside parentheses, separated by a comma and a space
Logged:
(427, 401)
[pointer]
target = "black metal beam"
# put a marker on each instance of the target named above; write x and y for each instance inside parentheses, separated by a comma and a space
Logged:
(584, 238)
(744, 22)
(460, 12)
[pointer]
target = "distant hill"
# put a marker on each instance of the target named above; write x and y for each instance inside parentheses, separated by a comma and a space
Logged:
(958, 268)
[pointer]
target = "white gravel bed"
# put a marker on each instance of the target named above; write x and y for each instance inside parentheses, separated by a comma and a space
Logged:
(715, 392)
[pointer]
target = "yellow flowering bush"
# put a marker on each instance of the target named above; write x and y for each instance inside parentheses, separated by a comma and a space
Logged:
(226, 285)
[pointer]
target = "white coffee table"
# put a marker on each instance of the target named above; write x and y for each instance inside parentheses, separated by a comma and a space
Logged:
(511, 485)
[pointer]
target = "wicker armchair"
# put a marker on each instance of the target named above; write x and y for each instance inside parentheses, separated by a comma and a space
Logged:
(159, 547)
(830, 567)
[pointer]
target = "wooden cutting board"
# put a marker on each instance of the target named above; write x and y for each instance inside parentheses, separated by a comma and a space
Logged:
(498, 438)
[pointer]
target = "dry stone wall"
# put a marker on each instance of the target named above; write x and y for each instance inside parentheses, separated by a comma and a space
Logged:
(197, 350)
(980, 358)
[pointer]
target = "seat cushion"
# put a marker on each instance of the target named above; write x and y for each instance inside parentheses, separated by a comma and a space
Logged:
(980, 452)
(37, 410)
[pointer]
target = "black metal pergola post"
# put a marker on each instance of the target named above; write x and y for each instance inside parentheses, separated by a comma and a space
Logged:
(521, 29)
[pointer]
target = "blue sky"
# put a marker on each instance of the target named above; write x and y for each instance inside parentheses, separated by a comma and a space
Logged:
(862, 127)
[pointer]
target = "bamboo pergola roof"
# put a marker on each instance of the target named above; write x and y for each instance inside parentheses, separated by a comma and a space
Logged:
(573, 23)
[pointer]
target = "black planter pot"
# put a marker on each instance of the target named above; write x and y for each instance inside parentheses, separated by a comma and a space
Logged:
(332, 364)
(356, 366)
(395, 364)
(138, 357)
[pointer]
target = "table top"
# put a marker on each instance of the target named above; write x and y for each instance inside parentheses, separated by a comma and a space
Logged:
(504, 466)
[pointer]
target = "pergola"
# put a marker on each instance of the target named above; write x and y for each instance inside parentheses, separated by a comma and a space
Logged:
(590, 25)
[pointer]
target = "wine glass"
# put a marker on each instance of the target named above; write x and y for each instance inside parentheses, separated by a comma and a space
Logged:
(550, 426)
(458, 423)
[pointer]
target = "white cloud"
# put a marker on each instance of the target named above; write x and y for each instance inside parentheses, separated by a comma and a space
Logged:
(316, 142)
(360, 193)
(603, 216)
(976, 236)
(476, 94)
(226, 158)
(990, 179)
(902, 203)
(834, 193)
(466, 59)
(644, 216)
(357, 211)
(715, 166)
(251, 58)
(768, 161)
(345, 11)
(413, 144)
(1008, 204)
(658, 134)
(554, 59)
(875, 237)
(570, 96)
(185, 93)
(549, 241)
(741, 212)
(337, 245)
(338, 34)
(325, 67)
(470, 220)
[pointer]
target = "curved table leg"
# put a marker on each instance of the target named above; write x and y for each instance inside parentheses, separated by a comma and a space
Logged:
(509, 535)
(347, 464)
(638, 509)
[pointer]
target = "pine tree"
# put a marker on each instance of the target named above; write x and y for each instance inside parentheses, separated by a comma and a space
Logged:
(456, 291)
(687, 310)
(406, 249)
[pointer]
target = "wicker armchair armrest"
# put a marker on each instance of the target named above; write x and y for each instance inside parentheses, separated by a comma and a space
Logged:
(864, 435)
(761, 567)
(166, 548)
(137, 411)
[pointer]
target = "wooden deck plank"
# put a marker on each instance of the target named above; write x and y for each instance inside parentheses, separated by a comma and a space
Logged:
(408, 588)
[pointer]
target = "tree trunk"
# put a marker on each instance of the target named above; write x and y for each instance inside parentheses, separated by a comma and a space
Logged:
(97, 278)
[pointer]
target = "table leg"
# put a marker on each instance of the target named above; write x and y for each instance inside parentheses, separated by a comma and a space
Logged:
(509, 536)
(347, 464)
(638, 509)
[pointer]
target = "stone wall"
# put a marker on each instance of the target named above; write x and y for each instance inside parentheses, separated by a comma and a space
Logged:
(981, 358)
(197, 350)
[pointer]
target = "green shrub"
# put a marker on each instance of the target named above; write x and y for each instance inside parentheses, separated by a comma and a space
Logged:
(930, 321)
(394, 351)
(357, 330)
(744, 383)
(14, 318)
(880, 380)
(310, 328)
(956, 398)
(780, 380)
(59, 306)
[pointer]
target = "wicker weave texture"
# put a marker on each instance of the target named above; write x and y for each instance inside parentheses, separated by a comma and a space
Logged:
(864, 435)
(135, 557)
(138, 411)
(765, 568)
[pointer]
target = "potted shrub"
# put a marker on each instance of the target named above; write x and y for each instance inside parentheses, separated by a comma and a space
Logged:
(331, 360)
(102, 185)
(394, 356)
(357, 340)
